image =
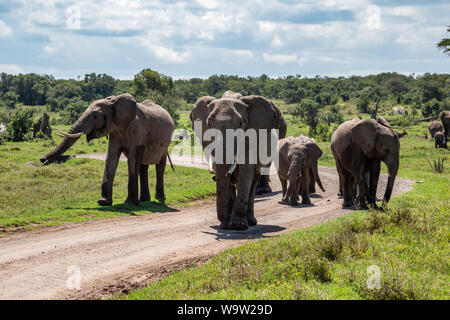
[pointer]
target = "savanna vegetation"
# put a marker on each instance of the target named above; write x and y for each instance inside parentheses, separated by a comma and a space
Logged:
(407, 246)
(408, 243)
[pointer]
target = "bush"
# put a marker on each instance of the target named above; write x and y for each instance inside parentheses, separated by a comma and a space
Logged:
(432, 108)
(73, 110)
(308, 110)
(363, 103)
(19, 126)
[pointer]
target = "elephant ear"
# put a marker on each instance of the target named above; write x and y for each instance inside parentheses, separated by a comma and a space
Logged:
(314, 151)
(124, 109)
(364, 135)
(280, 124)
(200, 110)
(261, 113)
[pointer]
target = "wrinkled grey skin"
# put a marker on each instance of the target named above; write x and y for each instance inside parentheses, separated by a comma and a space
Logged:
(358, 147)
(236, 210)
(142, 131)
(298, 167)
(232, 95)
(445, 118)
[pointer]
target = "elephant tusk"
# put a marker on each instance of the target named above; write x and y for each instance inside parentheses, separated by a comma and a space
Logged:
(70, 135)
(232, 168)
(211, 165)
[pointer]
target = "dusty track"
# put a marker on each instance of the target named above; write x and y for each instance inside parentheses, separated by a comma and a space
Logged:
(116, 255)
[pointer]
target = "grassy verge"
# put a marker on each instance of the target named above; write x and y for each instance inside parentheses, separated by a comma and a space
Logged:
(33, 196)
(408, 244)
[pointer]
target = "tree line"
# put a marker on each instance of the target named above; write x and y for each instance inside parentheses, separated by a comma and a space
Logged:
(429, 93)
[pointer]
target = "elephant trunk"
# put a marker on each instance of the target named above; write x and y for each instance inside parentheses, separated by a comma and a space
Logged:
(78, 127)
(224, 197)
(316, 176)
(294, 175)
(392, 170)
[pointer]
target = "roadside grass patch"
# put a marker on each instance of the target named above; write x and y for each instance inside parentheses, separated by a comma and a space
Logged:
(33, 196)
(408, 243)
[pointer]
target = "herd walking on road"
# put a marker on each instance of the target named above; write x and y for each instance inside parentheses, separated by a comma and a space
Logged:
(143, 131)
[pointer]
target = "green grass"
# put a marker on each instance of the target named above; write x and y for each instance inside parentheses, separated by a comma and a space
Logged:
(409, 243)
(33, 196)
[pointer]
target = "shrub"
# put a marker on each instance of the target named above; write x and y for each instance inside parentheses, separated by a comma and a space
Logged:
(19, 126)
(73, 111)
(432, 108)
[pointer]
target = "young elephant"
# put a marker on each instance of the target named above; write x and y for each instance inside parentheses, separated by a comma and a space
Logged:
(298, 159)
(439, 140)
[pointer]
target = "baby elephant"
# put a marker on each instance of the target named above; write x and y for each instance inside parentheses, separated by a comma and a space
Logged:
(298, 161)
(439, 140)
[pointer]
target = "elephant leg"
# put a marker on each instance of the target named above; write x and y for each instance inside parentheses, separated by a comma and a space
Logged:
(251, 203)
(160, 168)
(112, 160)
(374, 174)
(143, 175)
(263, 185)
(239, 214)
(283, 188)
(347, 189)
(305, 186)
(360, 171)
(134, 164)
(341, 178)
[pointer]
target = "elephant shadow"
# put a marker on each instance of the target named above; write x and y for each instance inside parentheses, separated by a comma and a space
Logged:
(266, 196)
(133, 210)
(255, 232)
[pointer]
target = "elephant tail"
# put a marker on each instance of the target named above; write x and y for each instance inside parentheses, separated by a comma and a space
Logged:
(170, 160)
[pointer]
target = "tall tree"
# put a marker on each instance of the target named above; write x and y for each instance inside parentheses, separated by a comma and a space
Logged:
(445, 44)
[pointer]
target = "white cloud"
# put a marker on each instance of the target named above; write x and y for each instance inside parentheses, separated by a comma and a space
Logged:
(283, 59)
(10, 68)
(5, 30)
(167, 55)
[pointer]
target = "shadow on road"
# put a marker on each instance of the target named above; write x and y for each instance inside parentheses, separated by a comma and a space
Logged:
(132, 210)
(256, 232)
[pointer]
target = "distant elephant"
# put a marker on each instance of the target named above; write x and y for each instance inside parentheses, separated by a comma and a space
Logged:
(358, 147)
(439, 140)
(235, 211)
(435, 126)
(142, 131)
(298, 161)
(200, 112)
(445, 118)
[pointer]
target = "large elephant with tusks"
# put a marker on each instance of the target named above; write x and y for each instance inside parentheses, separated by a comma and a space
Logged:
(236, 182)
(142, 131)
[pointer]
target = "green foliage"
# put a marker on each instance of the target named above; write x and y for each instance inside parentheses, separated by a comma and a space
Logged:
(444, 44)
(308, 110)
(432, 108)
(363, 102)
(73, 111)
(19, 126)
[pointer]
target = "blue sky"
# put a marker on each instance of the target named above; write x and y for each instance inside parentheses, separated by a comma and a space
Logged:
(185, 39)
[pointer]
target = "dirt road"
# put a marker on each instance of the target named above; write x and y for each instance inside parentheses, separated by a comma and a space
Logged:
(117, 255)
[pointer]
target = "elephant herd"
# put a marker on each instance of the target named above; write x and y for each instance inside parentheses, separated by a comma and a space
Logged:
(440, 132)
(143, 131)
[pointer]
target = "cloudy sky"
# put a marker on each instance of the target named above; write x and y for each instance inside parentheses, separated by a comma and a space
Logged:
(199, 38)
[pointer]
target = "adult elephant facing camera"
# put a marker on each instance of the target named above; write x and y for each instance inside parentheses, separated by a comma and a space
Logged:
(142, 131)
(236, 210)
